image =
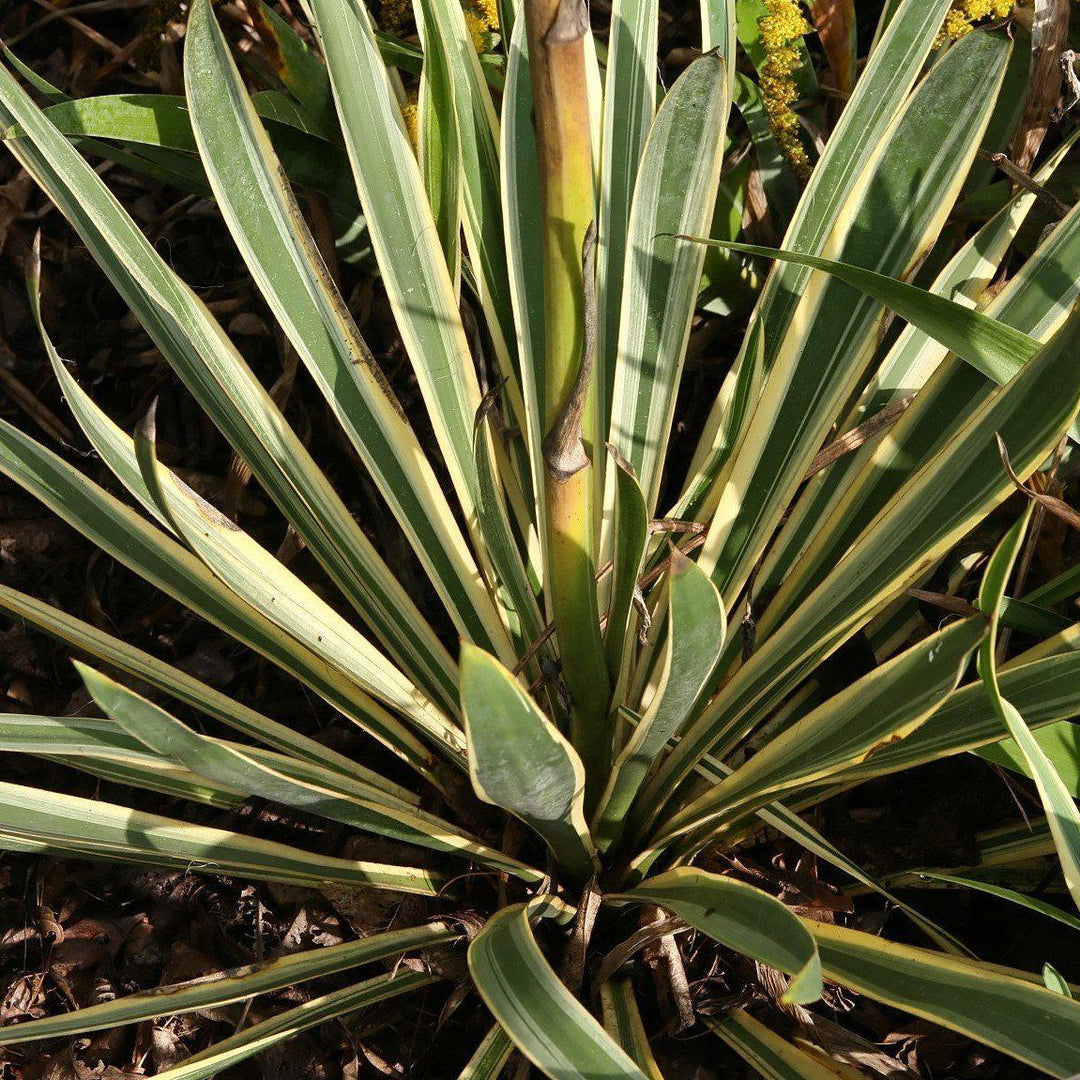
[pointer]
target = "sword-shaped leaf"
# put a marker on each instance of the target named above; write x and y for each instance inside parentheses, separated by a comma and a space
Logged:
(478, 135)
(547, 1023)
(903, 200)
(152, 553)
(910, 362)
(1061, 811)
(187, 689)
(676, 185)
(936, 507)
(623, 1022)
(629, 108)
(253, 574)
(697, 625)
(743, 918)
(999, 1008)
(33, 819)
(835, 190)
(630, 534)
(231, 985)
(438, 143)
(229, 764)
(280, 252)
(250, 1041)
(403, 234)
(764, 1051)
(490, 1057)
(881, 708)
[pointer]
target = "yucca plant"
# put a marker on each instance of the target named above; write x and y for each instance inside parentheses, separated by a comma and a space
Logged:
(627, 633)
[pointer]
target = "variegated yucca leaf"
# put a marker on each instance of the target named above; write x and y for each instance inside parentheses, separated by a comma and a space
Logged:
(577, 724)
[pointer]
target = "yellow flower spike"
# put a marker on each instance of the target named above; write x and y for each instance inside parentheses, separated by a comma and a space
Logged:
(780, 29)
(481, 20)
(488, 11)
(477, 30)
(964, 14)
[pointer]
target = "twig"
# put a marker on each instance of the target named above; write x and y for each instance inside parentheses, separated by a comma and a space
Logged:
(857, 436)
(624, 951)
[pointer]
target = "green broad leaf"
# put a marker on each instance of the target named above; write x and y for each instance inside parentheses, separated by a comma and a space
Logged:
(248, 1042)
(1060, 744)
(189, 690)
(1002, 1010)
(520, 761)
(767, 1053)
(630, 535)
(33, 819)
(154, 119)
(1053, 980)
(742, 918)
(545, 1021)
(159, 164)
(490, 1057)
(674, 194)
(1011, 895)
(230, 985)
(623, 1023)
(228, 764)
(281, 254)
(403, 235)
(629, 108)
(697, 626)
(158, 127)
(897, 211)
(882, 707)
(938, 506)
(1058, 804)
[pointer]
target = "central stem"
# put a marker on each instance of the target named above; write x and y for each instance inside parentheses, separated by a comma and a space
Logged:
(556, 35)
